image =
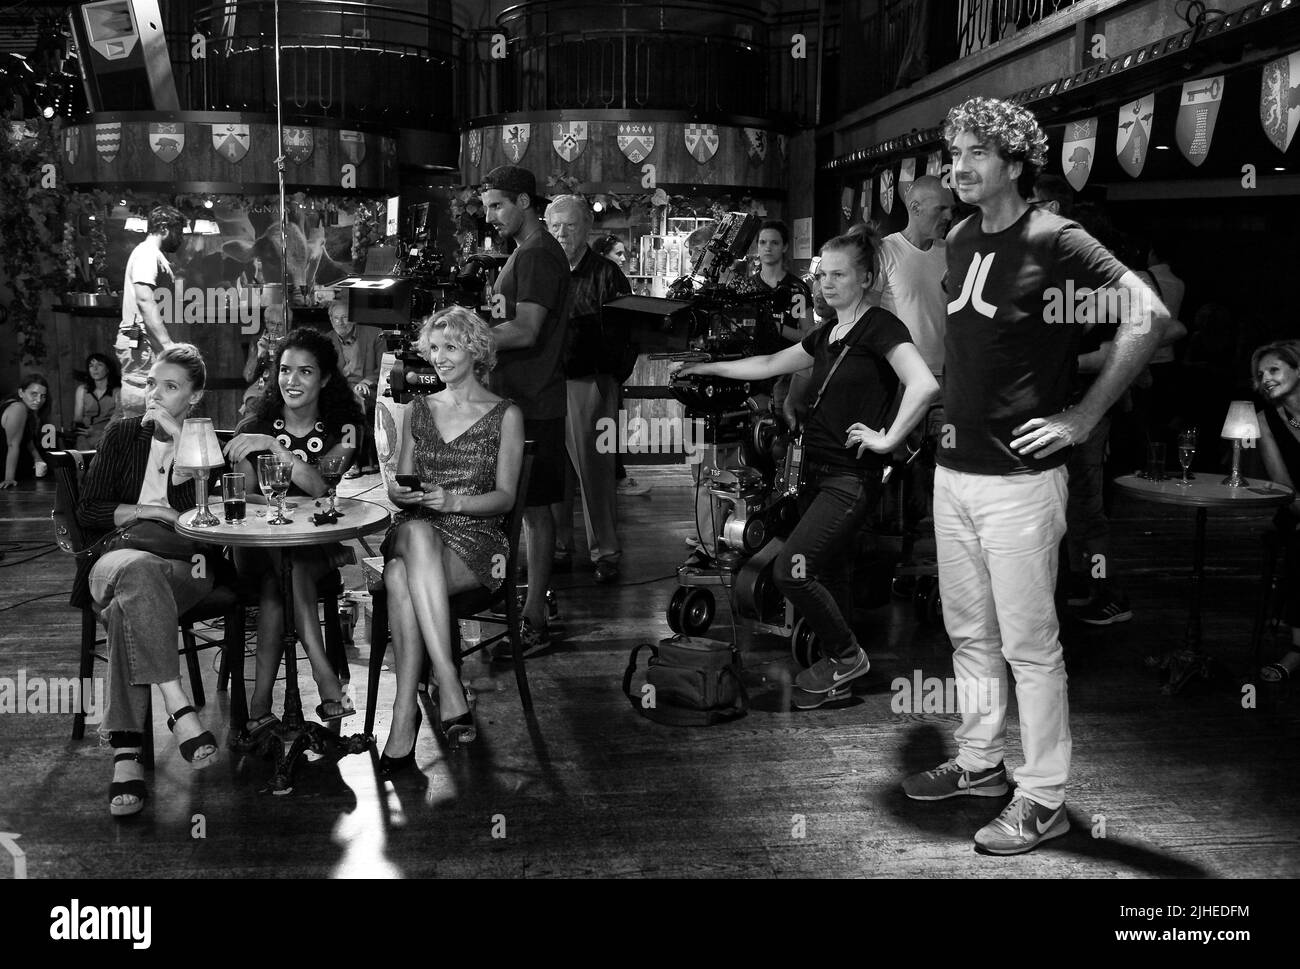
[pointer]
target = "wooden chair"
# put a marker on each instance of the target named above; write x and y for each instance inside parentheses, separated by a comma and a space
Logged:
(68, 467)
(472, 605)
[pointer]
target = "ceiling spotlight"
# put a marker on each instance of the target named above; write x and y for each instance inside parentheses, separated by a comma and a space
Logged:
(207, 203)
(598, 207)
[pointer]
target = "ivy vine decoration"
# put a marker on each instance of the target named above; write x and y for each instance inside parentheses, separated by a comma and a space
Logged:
(468, 220)
(31, 226)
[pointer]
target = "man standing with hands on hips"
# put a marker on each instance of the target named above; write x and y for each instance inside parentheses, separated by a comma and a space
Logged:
(1000, 486)
(142, 334)
(530, 326)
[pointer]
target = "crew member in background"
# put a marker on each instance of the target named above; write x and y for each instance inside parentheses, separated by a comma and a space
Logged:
(358, 350)
(795, 319)
(913, 263)
(530, 327)
(142, 334)
(596, 356)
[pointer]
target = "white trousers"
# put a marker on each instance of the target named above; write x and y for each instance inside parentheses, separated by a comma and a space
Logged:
(998, 544)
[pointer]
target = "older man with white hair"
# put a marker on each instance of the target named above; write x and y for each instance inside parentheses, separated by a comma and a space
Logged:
(594, 356)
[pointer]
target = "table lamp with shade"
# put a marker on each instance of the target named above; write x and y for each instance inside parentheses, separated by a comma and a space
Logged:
(1240, 425)
(198, 450)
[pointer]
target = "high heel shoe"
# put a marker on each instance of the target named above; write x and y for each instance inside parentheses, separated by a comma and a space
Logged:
(392, 765)
(461, 730)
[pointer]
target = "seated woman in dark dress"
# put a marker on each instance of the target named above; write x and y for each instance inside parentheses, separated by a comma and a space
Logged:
(1276, 368)
(141, 594)
(21, 415)
(465, 445)
(305, 414)
(96, 401)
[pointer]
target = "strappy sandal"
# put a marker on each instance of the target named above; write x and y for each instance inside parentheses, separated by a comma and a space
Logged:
(132, 788)
(331, 710)
(1274, 673)
(252, 732)
(188, 747)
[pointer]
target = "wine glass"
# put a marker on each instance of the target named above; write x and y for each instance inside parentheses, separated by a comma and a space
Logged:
(264, 464)
(1186, 452)
(331, 469)
(277, 473)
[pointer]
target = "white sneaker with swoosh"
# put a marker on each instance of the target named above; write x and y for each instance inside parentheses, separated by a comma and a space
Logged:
(1022, 826)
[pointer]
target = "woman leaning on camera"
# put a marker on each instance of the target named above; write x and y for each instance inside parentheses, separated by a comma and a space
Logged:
(844, 454)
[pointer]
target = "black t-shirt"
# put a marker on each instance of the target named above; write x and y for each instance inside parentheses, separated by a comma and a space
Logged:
(536, 272)
(1010, 353)
(861, 392)
(791, 287)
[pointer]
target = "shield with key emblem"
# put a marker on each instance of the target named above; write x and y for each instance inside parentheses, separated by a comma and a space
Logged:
(167, 139)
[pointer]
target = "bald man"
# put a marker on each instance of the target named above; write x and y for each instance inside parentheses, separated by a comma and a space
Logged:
(912, 266)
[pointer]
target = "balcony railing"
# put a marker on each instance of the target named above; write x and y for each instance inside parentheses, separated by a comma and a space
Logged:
(717, 58)
(891, 44)
(342, 60)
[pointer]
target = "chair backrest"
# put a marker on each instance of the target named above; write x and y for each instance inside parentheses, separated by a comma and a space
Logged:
(68, 468)
(515, 523)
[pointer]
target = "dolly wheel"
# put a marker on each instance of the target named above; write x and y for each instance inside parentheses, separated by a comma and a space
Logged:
(697, 612)
(675, 609)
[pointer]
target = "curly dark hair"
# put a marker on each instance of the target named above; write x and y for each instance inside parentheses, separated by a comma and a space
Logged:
(114, 377)
(338, 406)
(1011, 129)
(605, 244)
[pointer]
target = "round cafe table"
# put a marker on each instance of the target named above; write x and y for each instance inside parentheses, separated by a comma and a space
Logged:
(357, 518)
(1203, 492)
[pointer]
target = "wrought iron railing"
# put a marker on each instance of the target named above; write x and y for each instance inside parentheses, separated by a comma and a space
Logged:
(711, 57)
(891, 44)
(339, 59)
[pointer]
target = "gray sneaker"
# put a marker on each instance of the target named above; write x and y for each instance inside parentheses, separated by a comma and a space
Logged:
(950, 779)
(829, 679)
(1022, 826)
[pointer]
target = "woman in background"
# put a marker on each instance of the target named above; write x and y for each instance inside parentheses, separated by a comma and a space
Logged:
(22, 415)
(1276, 370)
(97, 393)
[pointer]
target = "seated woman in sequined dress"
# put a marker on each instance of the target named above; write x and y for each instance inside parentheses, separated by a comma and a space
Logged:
(465, 446)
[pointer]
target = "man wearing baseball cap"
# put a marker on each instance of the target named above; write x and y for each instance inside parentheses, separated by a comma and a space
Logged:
(530, 327)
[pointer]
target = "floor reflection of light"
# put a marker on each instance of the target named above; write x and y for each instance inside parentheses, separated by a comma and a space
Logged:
(362, 833)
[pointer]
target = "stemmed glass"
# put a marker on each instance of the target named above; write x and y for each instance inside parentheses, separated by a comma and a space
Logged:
(1186, 452)
(275, 473)
(331, 469)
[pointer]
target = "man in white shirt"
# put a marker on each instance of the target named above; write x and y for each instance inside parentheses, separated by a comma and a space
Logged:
(912, 266)
(142, 334)
(910, 285)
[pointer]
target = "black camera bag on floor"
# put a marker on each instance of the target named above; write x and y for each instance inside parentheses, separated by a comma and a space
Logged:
(696, 682)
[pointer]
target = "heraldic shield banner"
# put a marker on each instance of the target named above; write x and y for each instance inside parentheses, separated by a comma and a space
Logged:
(636, 141)
(1279, 100)
(1078, 151)
(1133, 137)
(1198, 110)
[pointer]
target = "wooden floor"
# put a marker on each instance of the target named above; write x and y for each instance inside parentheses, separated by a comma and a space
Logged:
(1187, 786)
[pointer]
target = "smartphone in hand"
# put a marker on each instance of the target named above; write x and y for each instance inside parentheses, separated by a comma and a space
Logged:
(411, 481)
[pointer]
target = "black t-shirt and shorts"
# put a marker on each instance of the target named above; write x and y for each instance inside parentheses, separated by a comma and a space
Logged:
(538, 272)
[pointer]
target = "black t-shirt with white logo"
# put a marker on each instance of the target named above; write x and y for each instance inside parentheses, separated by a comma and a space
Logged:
(862, 391)
(1013, 333)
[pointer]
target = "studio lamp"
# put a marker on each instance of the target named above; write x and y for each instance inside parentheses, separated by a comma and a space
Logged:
(1240, 425)
(198, 450)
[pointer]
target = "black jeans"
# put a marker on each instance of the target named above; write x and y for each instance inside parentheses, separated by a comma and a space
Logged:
(815, 570)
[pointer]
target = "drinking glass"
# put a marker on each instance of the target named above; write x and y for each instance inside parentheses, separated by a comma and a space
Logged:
(264, 481)
(331, 469)
(233, 497)
(275, 474)
(1155, 462)
(1186, 452)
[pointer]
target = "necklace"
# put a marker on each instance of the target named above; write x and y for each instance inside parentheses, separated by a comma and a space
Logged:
(1290, 420)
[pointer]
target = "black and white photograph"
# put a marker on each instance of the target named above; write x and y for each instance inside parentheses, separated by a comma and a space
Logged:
(697, 440)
